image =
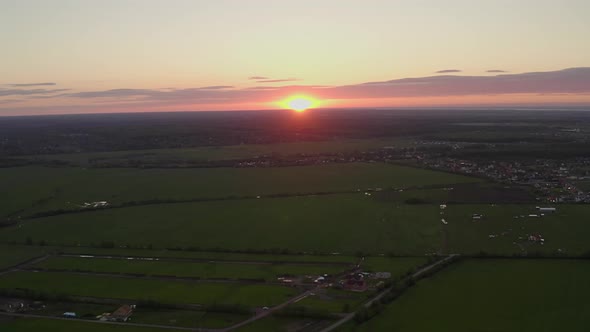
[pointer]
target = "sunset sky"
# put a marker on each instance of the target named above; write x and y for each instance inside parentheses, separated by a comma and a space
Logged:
(130, 56)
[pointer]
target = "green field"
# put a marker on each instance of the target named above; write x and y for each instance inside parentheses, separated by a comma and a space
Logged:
(36, 189)
(13, 255)
(50, 325)
(335, 223)
(229, 152)
(493, 295)
(397, 266)
(210, 255)
(268, 272)
(344, 223)
(141, 289)
(185, 318)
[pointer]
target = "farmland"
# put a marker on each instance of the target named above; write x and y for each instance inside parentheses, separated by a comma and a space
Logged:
(47, 188)
(292, 235)
(493, 295)
(268, 272)
(380, 227)
(49, 325)
(143, 289)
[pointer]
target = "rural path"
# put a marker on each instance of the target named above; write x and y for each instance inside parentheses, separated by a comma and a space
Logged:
(24, 264)
(160, 277)
(167, 327)
(200, 260)
(265, 313)
(367, 304)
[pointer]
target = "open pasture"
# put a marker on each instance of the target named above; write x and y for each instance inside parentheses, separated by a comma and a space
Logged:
(36, 189)
(202, 270)
(336, 223)
(50, 325)
(493, 295)
(165, 291)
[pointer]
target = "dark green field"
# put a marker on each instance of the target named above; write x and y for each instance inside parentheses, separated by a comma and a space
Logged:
(267, 272)
(379, 227)
(37, 189)
(142, 289)
(49, 325)
(493, 295)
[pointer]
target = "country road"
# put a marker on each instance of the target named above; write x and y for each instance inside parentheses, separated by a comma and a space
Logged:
(350, 316)
(167, 327)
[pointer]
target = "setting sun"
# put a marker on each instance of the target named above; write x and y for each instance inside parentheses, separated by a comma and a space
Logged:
(299, 103)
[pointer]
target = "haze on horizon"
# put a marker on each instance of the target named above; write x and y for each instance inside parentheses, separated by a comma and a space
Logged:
(68, 56)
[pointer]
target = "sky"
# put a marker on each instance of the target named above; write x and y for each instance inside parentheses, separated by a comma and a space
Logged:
(144, 55)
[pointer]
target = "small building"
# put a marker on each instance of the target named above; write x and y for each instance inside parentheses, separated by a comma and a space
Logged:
(547, 209)
(122, 314)
(69, 314)
(476, 216)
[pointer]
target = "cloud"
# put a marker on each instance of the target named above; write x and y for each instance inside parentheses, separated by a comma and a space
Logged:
(447, 71)
(278, 80)
(254, 78)
(28, 92)
(574, 81)
(217, 87)
(18, 85)
(496, 71)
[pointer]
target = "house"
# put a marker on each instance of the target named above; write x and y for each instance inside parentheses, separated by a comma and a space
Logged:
(122, 314)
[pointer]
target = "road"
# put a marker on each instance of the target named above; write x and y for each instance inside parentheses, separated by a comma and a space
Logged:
(350, 316)
(167, 327)
(268, 312)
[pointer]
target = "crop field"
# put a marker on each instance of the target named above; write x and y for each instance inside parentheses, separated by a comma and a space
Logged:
(211, 270)
(50, 325)
(39, 189)
(143, 289)
(493, 295)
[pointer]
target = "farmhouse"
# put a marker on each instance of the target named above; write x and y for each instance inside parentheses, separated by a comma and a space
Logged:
(122, 314)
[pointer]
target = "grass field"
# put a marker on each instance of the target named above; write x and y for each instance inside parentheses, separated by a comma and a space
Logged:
(397, 266)
(379, 227)
(493, 295)
(35, 189)
(335, 223)
(209, 255)
(223, 152)
(567, 230)
(13, 255)
(268, 272)
(50, 325)
(185, 318)
(141, 289)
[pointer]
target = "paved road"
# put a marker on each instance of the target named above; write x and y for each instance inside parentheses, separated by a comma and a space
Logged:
(350, 316)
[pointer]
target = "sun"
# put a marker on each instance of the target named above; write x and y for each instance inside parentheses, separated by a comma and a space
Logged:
(299, 103)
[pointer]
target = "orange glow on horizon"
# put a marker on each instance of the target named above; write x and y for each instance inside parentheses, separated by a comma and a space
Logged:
(299, 103)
